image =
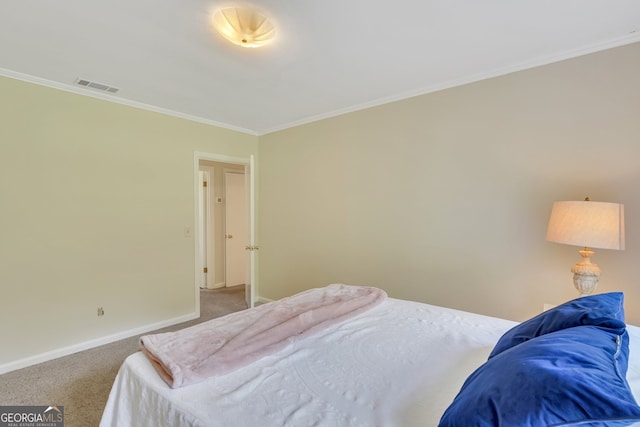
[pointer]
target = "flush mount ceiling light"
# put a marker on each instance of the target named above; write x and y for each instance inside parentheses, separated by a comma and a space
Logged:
(244, 26)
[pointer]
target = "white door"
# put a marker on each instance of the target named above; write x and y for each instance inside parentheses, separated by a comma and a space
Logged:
(236, 234)
(206, 247)
(249, 183)
(203, 216)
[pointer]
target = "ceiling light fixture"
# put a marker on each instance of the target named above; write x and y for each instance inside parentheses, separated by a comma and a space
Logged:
(244, 26)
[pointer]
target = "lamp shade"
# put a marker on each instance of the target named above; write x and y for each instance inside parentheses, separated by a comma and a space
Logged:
(588, 224)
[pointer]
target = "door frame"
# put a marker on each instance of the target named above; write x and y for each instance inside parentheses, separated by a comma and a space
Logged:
(206, 246)
(249, 170)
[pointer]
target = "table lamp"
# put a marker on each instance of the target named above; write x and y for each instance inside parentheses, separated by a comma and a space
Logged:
(589, 225)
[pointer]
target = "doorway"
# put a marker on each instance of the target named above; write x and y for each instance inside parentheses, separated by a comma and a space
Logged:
(224, 223)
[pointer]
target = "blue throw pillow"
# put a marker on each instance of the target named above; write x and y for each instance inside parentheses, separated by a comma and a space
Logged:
(629, 422)
(599, 310)
(570, 376)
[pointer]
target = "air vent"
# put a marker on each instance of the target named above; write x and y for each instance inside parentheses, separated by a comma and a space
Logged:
(98, 86)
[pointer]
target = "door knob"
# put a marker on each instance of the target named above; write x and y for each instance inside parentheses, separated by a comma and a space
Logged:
(229, 236)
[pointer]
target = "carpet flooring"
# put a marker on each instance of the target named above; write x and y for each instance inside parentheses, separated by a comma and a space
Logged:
(81, 382)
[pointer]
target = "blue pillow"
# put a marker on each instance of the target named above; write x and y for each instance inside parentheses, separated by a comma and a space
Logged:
(599, 310)
(629, 422)
(574, 375)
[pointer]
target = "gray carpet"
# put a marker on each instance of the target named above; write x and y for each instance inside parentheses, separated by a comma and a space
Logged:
(81, 382)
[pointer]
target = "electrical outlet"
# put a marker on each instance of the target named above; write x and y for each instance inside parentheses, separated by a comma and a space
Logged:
(188, 231)
(100, 311)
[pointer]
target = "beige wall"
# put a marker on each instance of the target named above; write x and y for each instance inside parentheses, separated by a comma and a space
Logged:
(444, 198)
(95, 197)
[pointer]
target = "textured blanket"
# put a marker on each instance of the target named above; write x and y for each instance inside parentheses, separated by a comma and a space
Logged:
(224, 344)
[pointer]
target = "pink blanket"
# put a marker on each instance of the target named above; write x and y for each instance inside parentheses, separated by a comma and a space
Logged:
(221, 345)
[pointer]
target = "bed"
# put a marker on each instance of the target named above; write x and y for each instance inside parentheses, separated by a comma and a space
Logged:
(399, 363)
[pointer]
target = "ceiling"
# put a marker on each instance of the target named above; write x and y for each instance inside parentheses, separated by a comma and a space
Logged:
(329, 56)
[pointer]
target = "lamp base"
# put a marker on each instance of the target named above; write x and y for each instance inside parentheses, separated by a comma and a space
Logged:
(585, 273)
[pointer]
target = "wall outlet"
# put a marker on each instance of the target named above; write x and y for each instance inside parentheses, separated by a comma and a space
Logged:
(188, 231)
(100, 311)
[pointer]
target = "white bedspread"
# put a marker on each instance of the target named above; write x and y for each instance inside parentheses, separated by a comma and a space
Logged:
(222, 345)
(399, 364)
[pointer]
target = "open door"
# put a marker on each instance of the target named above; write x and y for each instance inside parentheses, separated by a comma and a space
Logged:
(249, 176)
(204, 221)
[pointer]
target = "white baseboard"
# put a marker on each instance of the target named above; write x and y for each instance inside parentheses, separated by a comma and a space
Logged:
(217, 285)
(65, 351)
(263, 300)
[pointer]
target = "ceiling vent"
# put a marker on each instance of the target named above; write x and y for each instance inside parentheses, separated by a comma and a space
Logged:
(98, 86)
